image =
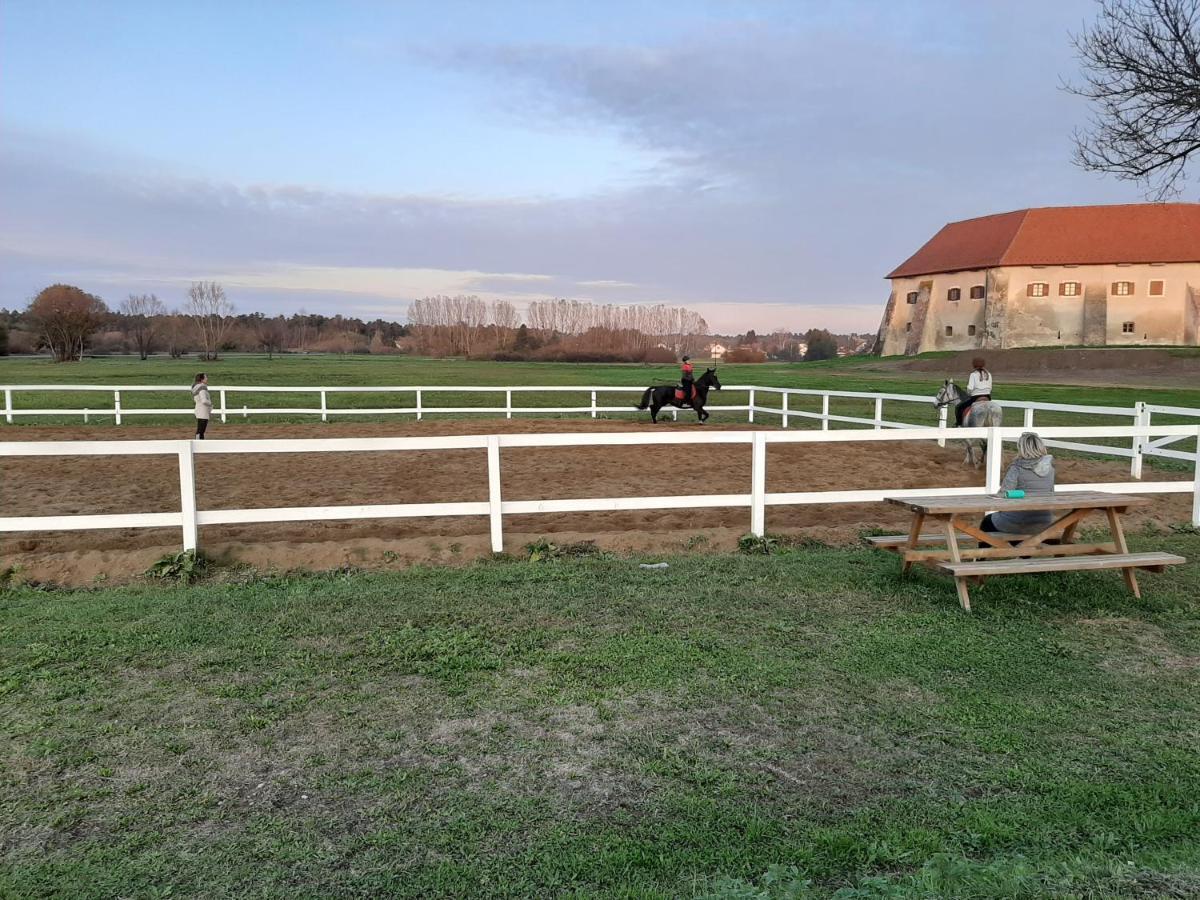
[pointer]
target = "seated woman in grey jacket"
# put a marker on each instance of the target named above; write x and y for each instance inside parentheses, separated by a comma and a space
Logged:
(1033, 473)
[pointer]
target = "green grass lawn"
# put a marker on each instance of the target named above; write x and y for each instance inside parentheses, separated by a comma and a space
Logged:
(784, 726)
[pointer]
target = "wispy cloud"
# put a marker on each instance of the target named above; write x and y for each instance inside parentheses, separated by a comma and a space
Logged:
(800, 158)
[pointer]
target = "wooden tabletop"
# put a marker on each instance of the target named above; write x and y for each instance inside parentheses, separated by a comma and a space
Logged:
(967, 503)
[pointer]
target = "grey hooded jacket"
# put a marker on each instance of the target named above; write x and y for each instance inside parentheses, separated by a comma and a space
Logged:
(1031, 476)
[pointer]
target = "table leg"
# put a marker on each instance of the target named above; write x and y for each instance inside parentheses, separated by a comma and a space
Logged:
(960, 584)
(1118, 536)
(914, 537)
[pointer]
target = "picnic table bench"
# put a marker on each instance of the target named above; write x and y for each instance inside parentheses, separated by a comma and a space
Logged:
(1053, 549)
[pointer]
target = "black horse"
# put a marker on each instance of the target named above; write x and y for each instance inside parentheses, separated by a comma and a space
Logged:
(655, 398)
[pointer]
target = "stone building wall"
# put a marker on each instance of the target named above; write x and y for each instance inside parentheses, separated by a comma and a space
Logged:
(1043, 306)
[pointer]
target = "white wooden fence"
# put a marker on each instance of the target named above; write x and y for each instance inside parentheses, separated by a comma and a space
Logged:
(496, 508)
(1139, 414)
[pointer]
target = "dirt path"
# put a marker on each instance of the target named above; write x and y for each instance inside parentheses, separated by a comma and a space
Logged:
(49, 486)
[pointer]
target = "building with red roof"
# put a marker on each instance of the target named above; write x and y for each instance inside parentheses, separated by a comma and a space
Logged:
(1055, 276)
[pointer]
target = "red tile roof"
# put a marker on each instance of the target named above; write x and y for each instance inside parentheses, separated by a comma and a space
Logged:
(1063, 235)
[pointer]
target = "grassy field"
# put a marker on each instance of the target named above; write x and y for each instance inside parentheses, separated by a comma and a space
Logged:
(845, 374)
(807, 724)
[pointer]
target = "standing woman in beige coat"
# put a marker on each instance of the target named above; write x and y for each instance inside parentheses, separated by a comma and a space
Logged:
(203, 401)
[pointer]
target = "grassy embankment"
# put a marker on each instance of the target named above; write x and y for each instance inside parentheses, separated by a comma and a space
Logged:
(585, 726)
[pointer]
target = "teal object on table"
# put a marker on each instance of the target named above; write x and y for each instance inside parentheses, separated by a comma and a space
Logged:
(1014, 495)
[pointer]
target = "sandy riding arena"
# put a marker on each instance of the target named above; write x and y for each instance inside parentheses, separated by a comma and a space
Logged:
(49, 486)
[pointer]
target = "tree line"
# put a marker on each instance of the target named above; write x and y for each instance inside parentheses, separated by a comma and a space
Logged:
(67, 321)
(554, 329)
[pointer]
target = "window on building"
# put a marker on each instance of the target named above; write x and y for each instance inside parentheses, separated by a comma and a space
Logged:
(908, 326)
(1156, 289)
(1037, 289)
(1068, 289)
(954, 294)
(949, 331)
(1122, 288)
(912, 297)
(1127, 328)
(971, 330)
(977, 292)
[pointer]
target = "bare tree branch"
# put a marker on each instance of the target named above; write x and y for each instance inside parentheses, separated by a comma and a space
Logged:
(1141, 72)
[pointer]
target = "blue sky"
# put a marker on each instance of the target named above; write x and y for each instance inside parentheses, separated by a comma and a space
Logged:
(765, 163)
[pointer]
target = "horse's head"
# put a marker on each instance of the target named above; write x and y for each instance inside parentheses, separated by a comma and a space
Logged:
(710, 378)
(947, 395)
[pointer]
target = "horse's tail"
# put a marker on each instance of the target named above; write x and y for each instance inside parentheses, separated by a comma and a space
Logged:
(645, 404)
(995, 414)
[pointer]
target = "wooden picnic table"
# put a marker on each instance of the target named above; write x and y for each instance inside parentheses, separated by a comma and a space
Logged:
(1053, 549)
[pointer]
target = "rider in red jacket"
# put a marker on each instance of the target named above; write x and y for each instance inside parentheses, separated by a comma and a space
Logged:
(687, 378)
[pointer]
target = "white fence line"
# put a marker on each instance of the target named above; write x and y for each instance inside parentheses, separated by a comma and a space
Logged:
(190, 518)
(1140, 414)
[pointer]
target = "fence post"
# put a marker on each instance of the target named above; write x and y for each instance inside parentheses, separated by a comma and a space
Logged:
(494, 516)
(758, 484)
(878, 413)
(593, 404)
(224, 408)
(418, 406)
(751, 419)
(117, 405)
(245, 412)
(995, 450)
(508, 404)
(8, 405)
(1141, 417)
(324, 408)
(785, 408)
(187, 496)
(942, 413)
(1196, 482)
(1029, 419)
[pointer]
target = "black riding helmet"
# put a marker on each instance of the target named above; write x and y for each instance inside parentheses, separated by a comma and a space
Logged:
(687, 359)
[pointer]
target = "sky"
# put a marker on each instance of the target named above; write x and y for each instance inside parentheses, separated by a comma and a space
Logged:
(764, 163)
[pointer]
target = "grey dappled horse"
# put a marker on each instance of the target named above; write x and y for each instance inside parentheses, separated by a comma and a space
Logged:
(982, 414)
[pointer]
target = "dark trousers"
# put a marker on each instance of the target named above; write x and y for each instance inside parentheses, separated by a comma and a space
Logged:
(689, 386)
(961, 409)
(201, 425)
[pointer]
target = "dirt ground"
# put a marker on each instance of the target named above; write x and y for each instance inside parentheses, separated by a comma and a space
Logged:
(48, 486)
(1109, 367)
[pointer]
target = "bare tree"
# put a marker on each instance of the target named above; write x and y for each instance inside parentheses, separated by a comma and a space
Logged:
(65, 317)
(144, 313)
(1141, 71)
(271, 334)
(211, 312)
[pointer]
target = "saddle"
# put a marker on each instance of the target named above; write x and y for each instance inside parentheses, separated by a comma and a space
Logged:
(681, 395)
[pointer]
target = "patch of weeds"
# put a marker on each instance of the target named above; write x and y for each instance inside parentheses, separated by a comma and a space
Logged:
(1185, 528)
(456, 549)
(754, 545)
(185, 567)
(770, 544)
(390, 556)
(543, 550)
(696, 541)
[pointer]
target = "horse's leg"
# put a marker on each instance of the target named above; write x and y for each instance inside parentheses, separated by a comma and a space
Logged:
(654, 408)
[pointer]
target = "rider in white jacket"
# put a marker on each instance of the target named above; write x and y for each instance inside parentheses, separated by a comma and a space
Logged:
(979, 387)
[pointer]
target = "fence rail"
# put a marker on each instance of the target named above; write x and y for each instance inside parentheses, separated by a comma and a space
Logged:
(1140, 414)
(189, 518)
